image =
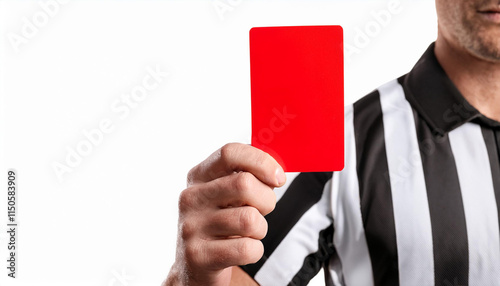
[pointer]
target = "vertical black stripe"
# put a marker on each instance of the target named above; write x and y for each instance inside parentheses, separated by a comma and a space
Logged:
(328, 274)
(305, 191)
(333, 265)
(375, 190)
(492, 140)
(449, 230)
(314, 261)
(328, 278)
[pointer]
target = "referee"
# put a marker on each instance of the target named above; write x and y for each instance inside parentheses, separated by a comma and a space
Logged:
(418, 202)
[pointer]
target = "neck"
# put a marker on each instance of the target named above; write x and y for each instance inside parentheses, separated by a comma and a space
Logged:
(477, 79)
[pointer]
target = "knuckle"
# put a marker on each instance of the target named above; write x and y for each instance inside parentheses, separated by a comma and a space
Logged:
(263, 228)
(187, 200)
(263, 159)
(192, 253)
(227, 151)
(266, 228)
(244, 249)
(187, 229)
(249, 220)
(250, 250)
(191, 176)
(258, 251)
(270, 203)
(243, 181)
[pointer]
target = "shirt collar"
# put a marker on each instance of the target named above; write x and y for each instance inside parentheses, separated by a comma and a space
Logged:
(437, 100)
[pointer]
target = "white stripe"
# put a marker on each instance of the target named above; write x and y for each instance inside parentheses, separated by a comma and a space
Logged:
(409, 194)
(288, 257)
(349, 236)
(481, 217)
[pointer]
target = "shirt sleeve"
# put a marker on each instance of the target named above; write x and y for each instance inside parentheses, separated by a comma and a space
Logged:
(299, 239)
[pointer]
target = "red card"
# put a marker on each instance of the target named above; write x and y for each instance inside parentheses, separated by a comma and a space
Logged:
(297, 81)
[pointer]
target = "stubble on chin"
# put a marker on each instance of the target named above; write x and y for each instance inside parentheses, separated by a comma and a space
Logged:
(481, 40)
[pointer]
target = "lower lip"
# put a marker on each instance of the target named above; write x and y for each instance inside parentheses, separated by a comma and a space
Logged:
(493, 17)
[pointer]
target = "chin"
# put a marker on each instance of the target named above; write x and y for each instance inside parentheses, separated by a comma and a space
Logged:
(487, 46)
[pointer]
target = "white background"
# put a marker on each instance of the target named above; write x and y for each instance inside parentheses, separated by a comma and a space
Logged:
(116, 212)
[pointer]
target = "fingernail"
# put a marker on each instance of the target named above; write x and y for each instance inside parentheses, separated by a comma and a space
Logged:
(280, 176)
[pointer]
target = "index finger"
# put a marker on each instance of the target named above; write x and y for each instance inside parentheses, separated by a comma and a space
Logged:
(235, 157)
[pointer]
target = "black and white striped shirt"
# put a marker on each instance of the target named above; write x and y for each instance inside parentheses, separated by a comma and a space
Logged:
(418, 202)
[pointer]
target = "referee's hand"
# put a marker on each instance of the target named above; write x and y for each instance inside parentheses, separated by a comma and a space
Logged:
(221, 214)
